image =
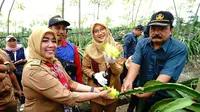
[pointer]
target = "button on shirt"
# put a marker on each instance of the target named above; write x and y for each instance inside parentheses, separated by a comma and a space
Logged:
(169, 59)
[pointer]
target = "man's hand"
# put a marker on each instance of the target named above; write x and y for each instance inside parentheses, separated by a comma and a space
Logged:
(128, 61)
(127, 85)
(144, 95)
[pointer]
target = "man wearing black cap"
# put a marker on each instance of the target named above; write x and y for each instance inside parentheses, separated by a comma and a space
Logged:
(131, 41)
(58, 24)
(159, 57)
(67, 53)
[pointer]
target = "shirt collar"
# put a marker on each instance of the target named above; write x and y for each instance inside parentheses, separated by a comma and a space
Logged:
(133, 34)
(64, 43)
(149, 42)
(166, 44)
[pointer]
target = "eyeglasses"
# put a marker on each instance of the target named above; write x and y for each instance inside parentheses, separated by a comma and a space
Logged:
(96, 31)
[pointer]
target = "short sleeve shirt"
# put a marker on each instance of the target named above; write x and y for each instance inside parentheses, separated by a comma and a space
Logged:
(169, 59)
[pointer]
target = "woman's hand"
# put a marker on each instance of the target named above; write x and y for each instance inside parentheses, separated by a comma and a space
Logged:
(98, 89)
(2, 59)
(100, 77)
(3, 76)
(22, 61)
(104, 94)
(20, 93)
(109, 59)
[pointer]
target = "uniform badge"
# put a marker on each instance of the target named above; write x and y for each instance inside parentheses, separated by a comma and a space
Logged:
(35, 62)
(159, 16)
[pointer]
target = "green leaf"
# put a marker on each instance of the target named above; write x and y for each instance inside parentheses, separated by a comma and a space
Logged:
(105, 87)
(184, 94)
(174, 93)
(179, 103)
(198, 86)
(161, 104)
(181, 110)
(189, 82)
(132, 91)
(153, 85)
(180, 87)
(194, 107)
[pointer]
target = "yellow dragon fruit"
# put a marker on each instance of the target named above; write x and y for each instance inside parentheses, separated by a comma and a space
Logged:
(111, 51)
(113, 93)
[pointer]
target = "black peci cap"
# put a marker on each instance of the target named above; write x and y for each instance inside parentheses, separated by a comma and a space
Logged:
(58, 20)
(162, 18)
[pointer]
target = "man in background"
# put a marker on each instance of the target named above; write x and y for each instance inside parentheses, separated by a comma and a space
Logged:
(131, 40)
(67, 53)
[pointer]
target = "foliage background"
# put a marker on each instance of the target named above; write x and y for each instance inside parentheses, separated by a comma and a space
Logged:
(186, 29)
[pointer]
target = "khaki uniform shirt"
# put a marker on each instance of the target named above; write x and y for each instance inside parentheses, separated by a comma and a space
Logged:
(43, 90)
(116, 70)
(7, 97)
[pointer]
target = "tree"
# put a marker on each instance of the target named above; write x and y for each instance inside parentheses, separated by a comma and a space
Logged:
(101, 4)
(77, 2)
(8, 19)
(138, 10)
(63, 8)
(59, 9)
(2, 5)
(17, 6)
(79, 15)
(130, 6)
(176, 11)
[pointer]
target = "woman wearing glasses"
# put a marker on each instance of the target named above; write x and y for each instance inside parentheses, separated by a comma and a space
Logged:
(98, 69)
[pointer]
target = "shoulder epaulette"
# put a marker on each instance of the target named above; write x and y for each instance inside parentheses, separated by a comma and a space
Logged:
(34, 62)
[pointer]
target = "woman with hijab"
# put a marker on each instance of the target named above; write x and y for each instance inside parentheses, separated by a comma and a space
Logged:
(17, 55)
(47, 87)
(100, 70)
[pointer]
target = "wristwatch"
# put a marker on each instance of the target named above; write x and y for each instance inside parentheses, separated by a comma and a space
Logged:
(92, 89)
(8, 66)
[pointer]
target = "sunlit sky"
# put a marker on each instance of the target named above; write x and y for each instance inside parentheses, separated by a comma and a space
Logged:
(44, 9)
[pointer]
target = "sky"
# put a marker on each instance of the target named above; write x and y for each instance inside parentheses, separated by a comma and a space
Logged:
(43, 10)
